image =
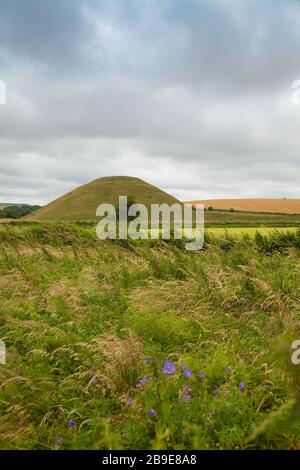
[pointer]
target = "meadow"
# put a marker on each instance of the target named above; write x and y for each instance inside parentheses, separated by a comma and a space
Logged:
(144, 345)
(250, 219)
(250, 231)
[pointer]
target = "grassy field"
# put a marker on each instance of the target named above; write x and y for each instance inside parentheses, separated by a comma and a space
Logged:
(250, 219)
(250, 231)
(143, 345)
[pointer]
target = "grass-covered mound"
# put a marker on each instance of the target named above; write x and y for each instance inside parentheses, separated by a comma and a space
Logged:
(145, 345)
(81, 203)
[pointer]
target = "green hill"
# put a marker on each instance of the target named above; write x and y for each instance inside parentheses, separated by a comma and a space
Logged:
(81, 203)
(14, 211)
(3, 205)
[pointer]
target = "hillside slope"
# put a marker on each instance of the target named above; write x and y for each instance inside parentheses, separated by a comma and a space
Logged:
(81, 203)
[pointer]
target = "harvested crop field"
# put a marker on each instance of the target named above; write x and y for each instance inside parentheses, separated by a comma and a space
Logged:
(288, 206)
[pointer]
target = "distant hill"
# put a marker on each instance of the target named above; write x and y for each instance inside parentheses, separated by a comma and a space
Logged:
(16, 211)
(7, 204)
(287, 206)
(81, 203)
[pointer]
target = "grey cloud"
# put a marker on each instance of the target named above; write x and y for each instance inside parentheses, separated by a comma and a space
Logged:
(192, 95)
(48, 32)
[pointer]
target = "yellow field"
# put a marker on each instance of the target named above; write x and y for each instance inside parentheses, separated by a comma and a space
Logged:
(237, 231)
(251, 231)
(288, 206)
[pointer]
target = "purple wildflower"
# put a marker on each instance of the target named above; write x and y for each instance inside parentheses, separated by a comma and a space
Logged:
(218, 391)
(241, 386)
(129, 401)
(71, 424)
(94, 380)
(185, 394)
(227, 369)
(143, 381)
(185, 397)
(188, 373)
(151, 412)
(58, 441)
(140, 382)
(202, 375)
(169, 368)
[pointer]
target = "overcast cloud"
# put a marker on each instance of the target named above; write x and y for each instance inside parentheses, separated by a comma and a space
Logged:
(193, 96)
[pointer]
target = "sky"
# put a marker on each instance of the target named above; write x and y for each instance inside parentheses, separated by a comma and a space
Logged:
(193, 96)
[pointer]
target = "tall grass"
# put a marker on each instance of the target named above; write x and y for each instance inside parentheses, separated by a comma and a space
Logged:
(89, 325)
